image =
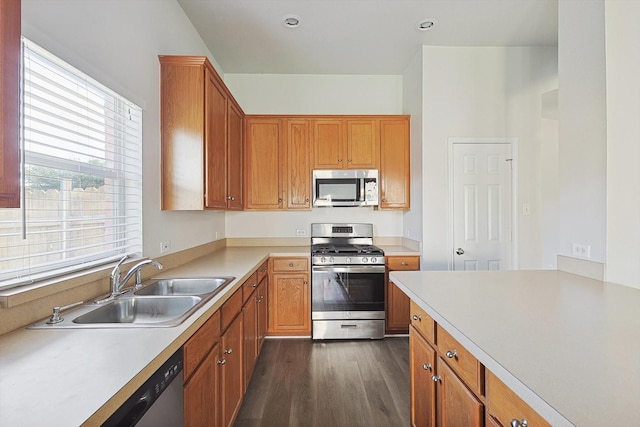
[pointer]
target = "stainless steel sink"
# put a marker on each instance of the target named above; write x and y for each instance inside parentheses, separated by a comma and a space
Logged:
(185, 286)
(161, 303)
(141, 311)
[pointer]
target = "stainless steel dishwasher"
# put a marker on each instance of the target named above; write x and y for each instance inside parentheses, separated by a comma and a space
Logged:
(158, 402)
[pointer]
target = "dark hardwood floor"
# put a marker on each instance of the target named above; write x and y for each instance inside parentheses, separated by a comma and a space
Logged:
(302, 383)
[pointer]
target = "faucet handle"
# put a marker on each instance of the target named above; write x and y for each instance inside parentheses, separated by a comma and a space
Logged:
(123, 259)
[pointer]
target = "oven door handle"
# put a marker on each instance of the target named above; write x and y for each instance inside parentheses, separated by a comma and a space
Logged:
(349, 269)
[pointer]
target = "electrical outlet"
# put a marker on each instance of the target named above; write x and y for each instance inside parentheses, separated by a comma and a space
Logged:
(301, 232)
(217, 235)
(165, 246)
(581, 251)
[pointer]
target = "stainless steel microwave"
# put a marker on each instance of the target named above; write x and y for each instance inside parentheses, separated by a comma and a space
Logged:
(345, 187)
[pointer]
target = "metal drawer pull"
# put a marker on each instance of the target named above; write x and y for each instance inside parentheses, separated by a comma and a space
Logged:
(426, 366)
(290, 264)
(228, 350)
(521, 423)
(222, 361)
(416, 317)
(254, 285)
(452, 354)
(348, 326)
(404, 263)
(436, 378)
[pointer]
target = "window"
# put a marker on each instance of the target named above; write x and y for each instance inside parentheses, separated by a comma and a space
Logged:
(81, 178)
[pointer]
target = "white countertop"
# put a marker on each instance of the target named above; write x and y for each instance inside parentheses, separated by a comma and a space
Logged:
(568, 345)
(72, 377)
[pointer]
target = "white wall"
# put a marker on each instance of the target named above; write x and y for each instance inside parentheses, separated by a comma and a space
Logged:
(412, 104)
(582, 127)
(316, 94)
(481, 92)
(313, 94)
(623, 142)
(117, 43)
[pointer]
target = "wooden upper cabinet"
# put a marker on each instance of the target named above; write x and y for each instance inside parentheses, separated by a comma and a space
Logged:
(263, 157)
(298, 164)
(362, 144)
(327, 144)
(200, 130)
(235, 162)
(394, 164)
(10, 60)
(215, 113)
(346, 144)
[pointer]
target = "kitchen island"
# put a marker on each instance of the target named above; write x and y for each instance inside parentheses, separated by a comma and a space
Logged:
(567, 345)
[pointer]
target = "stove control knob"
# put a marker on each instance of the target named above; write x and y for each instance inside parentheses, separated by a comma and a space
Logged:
(365, 259)
(374, 260)
(347, 260)
(331, 259)
(323, 260)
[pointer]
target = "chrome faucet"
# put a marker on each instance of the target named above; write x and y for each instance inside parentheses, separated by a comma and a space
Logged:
(137, 270)
(117, 284)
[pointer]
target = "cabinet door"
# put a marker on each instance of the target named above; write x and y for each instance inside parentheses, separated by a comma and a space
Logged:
(362, 144)
(457, 405)
(398, 316)
(10, 60)
(231, 368)
(234, 157)
(216, 144)
(250, 347)
(289, 307)
(201, 403)
(423, 389)
(394, 164)
(263, 170)
(298, 164)
(262, 312)
(328, 138)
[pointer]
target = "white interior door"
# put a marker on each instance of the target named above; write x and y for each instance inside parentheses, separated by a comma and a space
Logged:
(481, 206)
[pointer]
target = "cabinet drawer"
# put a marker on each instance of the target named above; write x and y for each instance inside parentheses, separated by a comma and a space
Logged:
(249, 286)
(403, 263)
(504, 405)
(460, 360)
(290, 264)
(198, 346)
(230, 310)
(422, 322)
(263, 270)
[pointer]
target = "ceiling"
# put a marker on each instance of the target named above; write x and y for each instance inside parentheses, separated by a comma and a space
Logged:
(360, 36)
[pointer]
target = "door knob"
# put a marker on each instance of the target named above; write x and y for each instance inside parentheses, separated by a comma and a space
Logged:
(460, 251)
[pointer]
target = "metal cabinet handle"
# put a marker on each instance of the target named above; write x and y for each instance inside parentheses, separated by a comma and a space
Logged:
(452, 354)
(290, 264)
(349, 160)
(222, 361)
(436, 378)
(306, 200)
(460, 251)
(228, 350)
(254, 285)
(404, 263)
(279, 199)
(305, 282)
(416, 317)
(426, 366)
(522, 423)
(230, 198)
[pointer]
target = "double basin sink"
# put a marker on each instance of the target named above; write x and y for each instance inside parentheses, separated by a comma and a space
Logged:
(161, 303)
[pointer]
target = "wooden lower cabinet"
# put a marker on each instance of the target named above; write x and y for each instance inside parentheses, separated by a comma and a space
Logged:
(422, 361)
(397, 302)
(457, 406)
(289, 297)
(231, 369)
(201, 393)
(250, 349)
(262, 314)
(504, 406)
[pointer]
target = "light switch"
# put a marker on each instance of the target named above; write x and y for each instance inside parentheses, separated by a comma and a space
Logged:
(526, 209)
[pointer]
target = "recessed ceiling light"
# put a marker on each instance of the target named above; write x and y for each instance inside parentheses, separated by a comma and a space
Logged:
(425, 24)
(291, 21)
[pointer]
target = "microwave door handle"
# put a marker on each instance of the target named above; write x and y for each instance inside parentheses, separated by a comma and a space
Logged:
(362, 189)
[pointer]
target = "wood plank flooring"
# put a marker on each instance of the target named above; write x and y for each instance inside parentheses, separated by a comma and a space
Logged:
(302, 383)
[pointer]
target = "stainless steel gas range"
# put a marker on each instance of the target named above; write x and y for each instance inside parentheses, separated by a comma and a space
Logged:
(347, 282)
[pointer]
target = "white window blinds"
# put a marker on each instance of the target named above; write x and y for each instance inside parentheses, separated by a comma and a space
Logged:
(82, 181)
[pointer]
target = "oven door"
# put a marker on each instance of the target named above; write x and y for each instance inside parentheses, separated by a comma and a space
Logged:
(347, 292)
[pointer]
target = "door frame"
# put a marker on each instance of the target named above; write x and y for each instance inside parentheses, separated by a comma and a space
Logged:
(514, 192)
